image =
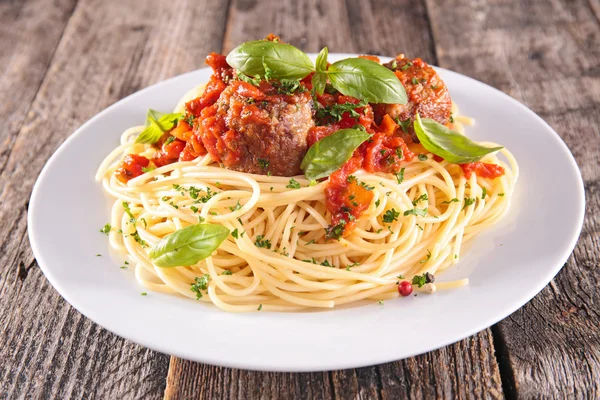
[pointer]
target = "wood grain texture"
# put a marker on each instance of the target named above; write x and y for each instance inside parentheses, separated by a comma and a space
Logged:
(107, 51)
(467, 369)
(28, 40)
(461, 371)
(547, 55)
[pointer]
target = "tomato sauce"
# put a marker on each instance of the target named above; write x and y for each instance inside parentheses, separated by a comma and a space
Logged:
(218, 82)
(385, 151)
(131, 167)
(483, 170)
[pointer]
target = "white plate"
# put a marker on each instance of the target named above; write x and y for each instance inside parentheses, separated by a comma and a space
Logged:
(507, 265)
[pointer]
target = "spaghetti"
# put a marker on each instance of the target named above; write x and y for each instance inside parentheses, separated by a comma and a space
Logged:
(277, 257)
(281, 185)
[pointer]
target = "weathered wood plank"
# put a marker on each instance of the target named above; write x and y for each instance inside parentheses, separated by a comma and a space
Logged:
(547, 55)
(108, 50)
(28, 39)
(465, 370)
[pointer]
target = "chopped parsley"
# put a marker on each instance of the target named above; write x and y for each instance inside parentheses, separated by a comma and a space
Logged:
(288, 86)
(416, 212)
(259, 307)
(336, 111)
(377, 203)
(483, 193)
(399, 153)
(137, 238)
(407, 66)
(335, 231)
(106, 229)
(414, 81)
(451, 118)
(422, 157)
(400, 176)
(367, 187)
(326, 264)
(262, 242)
(235, 233)
(391, 216)
(264, 164)
(147, 169)
(128, 211)
(454, 200)
(468, 202)
(200, 283)
(293, 184)
(501, 194)
(144, 294)
(422, 197)
(169, 140)
(237, 207)
(426, 258)
(380, 302)
(194, 209)
(209, 195)
(227, 272)
(404, 125)
(194, 192)
(190, 119)
(419, 280)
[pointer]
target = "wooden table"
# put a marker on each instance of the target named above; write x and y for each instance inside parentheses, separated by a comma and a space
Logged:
(63, 61)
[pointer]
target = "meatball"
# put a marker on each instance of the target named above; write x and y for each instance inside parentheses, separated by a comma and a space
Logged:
(427, 95)
(258, 129)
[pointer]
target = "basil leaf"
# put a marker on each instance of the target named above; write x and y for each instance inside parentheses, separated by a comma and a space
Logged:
(448, 144)
(330, 153)
(189, 245)
(366, 80)
(319, 80)
(157, 123)
(321, 63)
(283, 60)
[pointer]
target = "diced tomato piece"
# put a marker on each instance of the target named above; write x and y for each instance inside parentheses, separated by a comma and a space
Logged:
(169, 152)
(131, 167)
(483, 170)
